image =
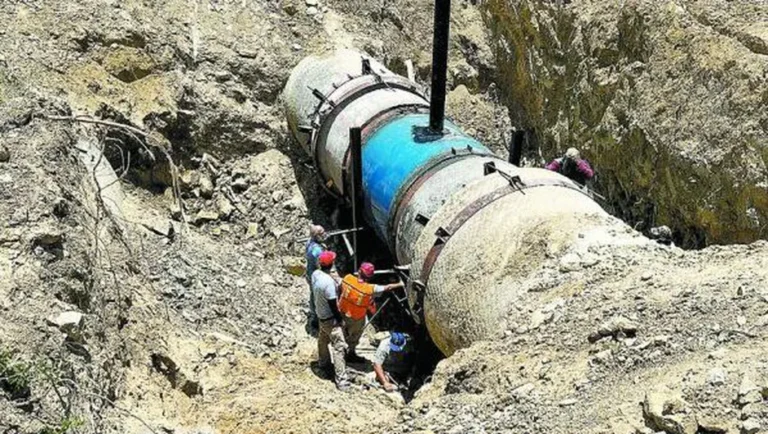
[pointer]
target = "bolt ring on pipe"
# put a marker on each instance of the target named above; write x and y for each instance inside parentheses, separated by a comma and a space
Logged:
(334, 104)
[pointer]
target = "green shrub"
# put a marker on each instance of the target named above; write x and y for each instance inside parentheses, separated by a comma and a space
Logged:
(15, 375)
(67, 424)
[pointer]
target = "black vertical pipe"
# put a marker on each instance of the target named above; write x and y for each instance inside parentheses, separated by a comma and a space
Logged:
(516, 147)
(439, 65)
(356, 154)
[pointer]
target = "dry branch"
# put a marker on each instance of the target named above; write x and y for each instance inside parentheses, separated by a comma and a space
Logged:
(111, 403)
(90, 120)
(134, 132)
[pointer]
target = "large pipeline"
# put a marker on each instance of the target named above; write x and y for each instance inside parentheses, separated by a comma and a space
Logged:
(471, 226)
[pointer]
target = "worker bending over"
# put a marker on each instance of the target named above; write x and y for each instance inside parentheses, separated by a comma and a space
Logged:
(330, 331)
(315, 246)
(356, 299)
(572, 166)
(395, 343)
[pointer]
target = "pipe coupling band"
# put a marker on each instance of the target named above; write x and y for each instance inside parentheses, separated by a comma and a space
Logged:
(444, 234)
(356, 87)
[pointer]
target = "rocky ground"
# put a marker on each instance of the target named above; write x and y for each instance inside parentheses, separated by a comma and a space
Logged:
(174, 303)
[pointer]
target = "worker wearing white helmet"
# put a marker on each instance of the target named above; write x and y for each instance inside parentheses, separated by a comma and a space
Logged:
(572, 166)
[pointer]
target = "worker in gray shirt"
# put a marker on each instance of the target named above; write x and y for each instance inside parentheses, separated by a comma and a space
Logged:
(324, 287)
(395, 343)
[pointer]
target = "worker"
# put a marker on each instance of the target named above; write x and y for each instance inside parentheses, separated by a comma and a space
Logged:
(395, 343)
(356, 300)
(330, 322)
(315, 245)
(572, 166)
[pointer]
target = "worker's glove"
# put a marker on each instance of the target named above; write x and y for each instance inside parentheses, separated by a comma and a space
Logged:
(389, 387)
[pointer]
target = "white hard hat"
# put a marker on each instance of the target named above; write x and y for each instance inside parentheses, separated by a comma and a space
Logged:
(316, 231)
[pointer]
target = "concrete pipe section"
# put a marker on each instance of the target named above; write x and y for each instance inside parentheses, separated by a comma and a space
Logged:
(471, 225)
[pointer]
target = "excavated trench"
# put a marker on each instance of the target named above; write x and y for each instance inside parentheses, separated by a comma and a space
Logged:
(622, 201)
(567, 78)
(645, 191)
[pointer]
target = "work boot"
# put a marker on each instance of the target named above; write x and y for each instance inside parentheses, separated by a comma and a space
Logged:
(324, 372)
(343, 386)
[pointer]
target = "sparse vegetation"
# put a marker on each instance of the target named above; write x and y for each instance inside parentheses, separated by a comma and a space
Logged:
(66, 426)
(15, 375)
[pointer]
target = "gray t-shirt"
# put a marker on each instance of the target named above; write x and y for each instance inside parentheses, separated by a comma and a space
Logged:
(324, 289)
(382, 352)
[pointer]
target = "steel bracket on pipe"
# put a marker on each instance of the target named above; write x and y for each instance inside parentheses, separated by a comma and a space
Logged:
(417, 309)
(309, 131)
(323, 99)
(442, 234)
(424, 134)
(418, 285)
(489, 167)
(514, 180)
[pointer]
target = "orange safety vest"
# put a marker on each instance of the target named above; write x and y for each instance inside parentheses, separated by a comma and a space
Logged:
(356, 297)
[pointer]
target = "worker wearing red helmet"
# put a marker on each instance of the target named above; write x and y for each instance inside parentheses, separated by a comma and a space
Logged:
(355, 301)
(330, 333)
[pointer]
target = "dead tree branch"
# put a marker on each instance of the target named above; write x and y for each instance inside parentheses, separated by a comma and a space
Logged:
(89, 120)
(134, 133)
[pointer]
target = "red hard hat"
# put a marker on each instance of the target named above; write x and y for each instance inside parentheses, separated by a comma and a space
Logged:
(326, 258)
(366, 270)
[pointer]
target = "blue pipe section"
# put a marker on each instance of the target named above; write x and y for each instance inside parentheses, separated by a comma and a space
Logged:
(392, 155)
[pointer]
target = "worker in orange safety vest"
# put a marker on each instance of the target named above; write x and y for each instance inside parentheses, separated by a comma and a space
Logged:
(355, 301)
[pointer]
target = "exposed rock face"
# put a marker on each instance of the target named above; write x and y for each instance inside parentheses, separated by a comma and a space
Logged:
(667, 99)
